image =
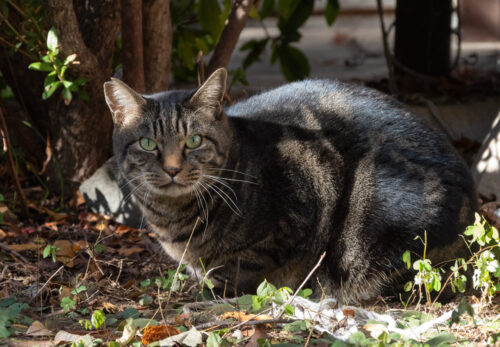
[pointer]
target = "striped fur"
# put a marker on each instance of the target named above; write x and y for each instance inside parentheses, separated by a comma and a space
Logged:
(281, 177)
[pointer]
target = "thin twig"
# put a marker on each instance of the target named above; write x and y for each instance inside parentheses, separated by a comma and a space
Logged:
(387, 52)
(48, 281)
(304, 282)
(12, 165)
(251, 322)
(7, 248)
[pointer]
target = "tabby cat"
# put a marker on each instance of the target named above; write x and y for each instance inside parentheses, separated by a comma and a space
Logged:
(285, 175)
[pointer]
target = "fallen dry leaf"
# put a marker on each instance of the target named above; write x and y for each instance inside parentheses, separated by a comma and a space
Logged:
(127, 252)
(375, 329)
(30, 246)
(122, 229)
(157, 333)
(109, 307)
(38, 329)
(242, 316)
(3, 235)
(348, 312)
(77, 199)
(63, 337)
(65, 253)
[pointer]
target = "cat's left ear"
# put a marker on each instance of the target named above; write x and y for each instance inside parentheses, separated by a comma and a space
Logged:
(211, 93)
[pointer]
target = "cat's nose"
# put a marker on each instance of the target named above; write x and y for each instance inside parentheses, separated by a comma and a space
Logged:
(172, 171)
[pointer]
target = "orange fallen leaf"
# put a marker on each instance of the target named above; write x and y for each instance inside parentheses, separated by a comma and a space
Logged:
(242, 316)
(80, 245)
(129, 251)
(77, 199)
(157, 333)
(348, 312)
(65, 253)
(3, 235)
(122, 229)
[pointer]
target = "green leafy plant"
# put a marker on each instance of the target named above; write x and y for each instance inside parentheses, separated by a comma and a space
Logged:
(292, 14)
(483, 242)
(68, 303)
(426, 275)
(167, 282)
(50, 251)
(10, 313)
(57, 71)
(268, 294)
(97, 320)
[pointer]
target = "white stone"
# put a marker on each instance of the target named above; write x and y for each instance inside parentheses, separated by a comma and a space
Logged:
(486, 168)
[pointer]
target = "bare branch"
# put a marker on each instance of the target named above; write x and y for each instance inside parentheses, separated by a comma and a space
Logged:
(229, 37)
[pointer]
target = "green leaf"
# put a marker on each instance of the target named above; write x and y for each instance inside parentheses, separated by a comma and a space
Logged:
(293, 63)
(210, 17)
(52, 40)
(213, 340)
(39, 66)
(286, 7)
(256, 47)
(305, 293)
(291, 22)
(186, 54)
(408, 286)
(46, 251)
(332, 11)
(98, 318)
(441, 340)
(66, 94)
(69, 59)
(289, 309)
(145, 300)
(407, 258)
(129, 313)
(50, 89)
(67, 303)
(267, 8)
(78, 290)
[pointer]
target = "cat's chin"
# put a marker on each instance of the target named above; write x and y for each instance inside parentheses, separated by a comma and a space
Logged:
(174, 189)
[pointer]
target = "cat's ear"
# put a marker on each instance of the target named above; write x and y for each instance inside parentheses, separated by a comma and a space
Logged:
(212, 91)
(126, 105)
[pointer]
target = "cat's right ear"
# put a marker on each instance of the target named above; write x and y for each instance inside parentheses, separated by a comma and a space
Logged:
(126, 105)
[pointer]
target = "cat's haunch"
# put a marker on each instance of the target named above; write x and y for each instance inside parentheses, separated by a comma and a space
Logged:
(287, 174)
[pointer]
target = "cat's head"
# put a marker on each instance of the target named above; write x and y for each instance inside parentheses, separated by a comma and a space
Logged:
(166, 142)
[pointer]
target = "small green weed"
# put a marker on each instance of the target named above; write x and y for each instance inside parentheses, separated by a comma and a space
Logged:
(51, 251)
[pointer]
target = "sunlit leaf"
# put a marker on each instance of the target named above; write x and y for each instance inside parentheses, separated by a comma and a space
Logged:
(52, 40)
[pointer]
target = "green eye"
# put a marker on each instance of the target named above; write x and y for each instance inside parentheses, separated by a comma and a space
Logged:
(193, 141)
(147, 144)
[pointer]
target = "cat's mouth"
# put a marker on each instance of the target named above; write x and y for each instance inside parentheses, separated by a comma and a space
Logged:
(172, 184)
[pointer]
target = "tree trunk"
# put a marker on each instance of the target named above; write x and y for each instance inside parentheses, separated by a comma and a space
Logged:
(422, 40)
(80, 133)
(132, 52)
(157, 33)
